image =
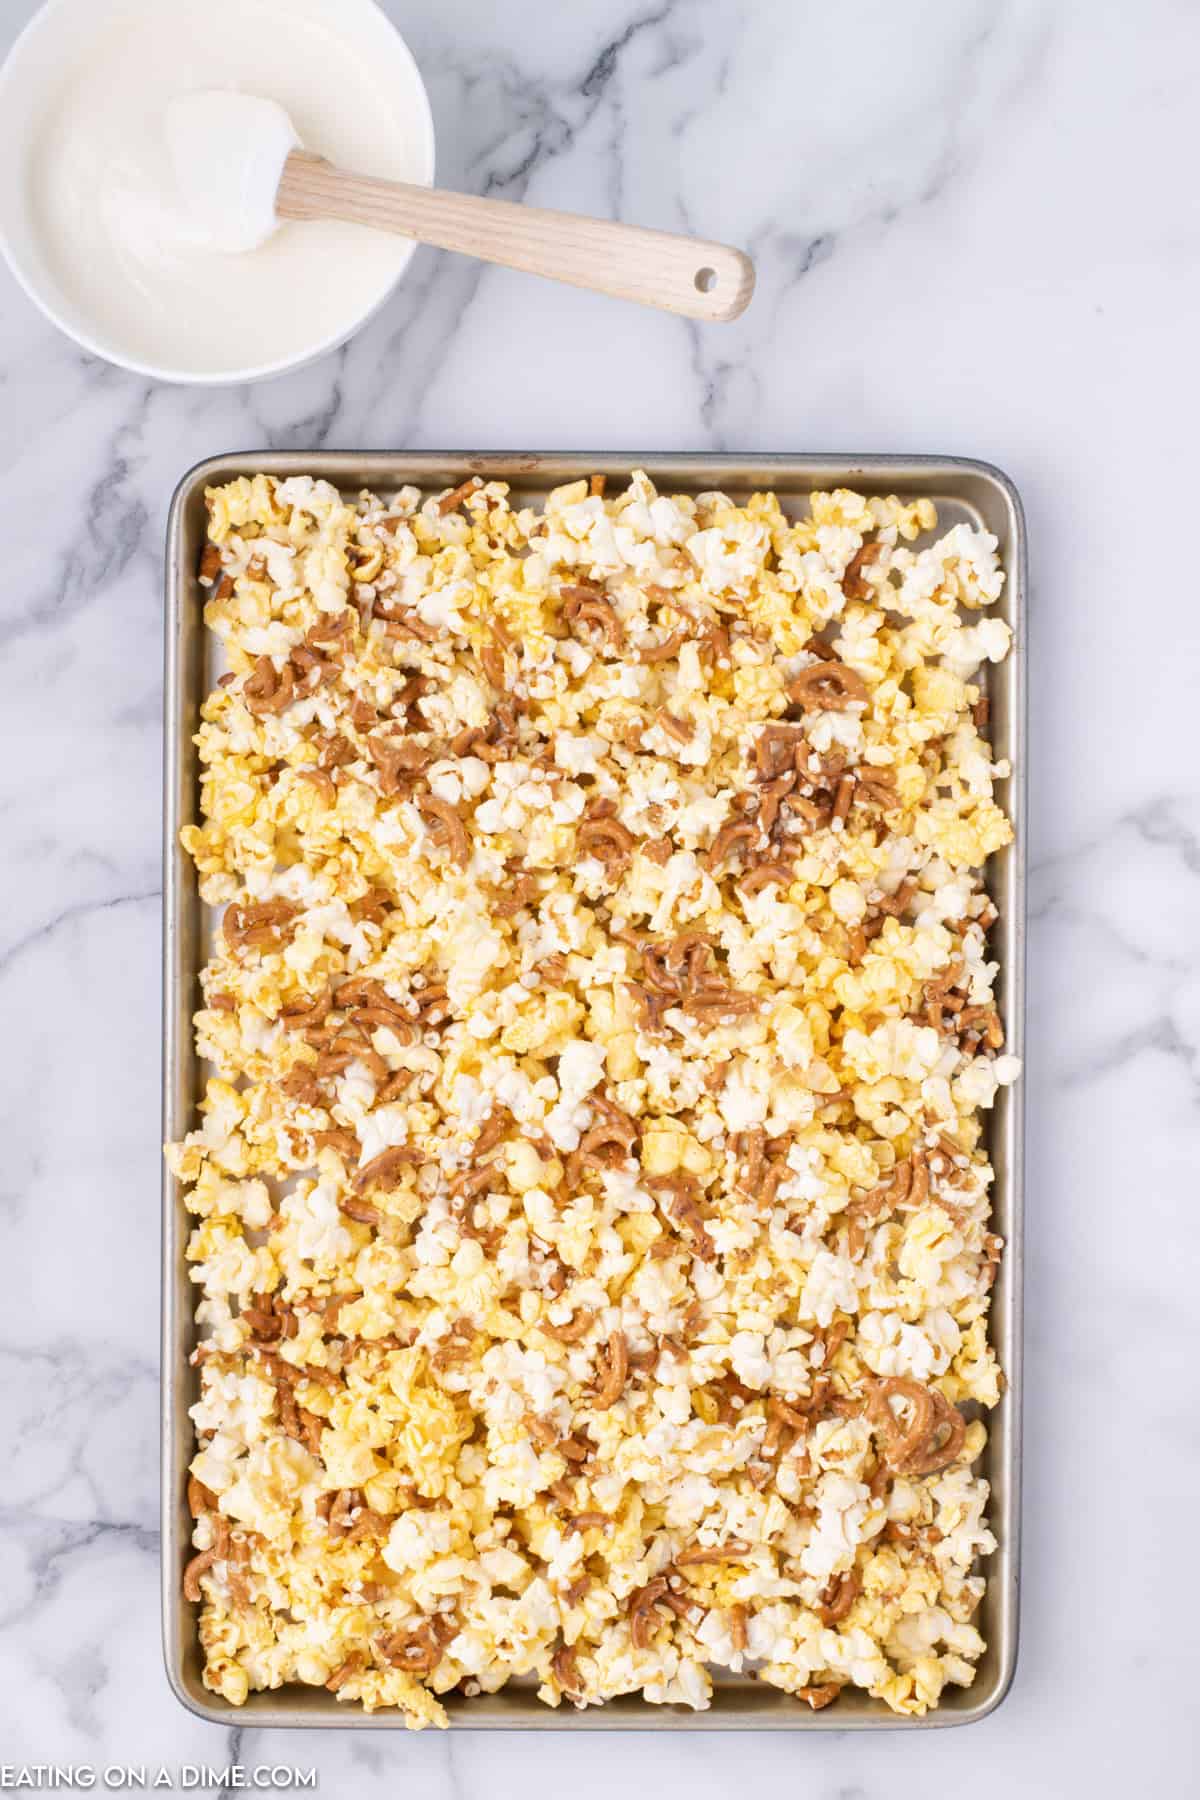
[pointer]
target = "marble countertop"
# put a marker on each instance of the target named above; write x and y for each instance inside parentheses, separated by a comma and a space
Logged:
(972, 236)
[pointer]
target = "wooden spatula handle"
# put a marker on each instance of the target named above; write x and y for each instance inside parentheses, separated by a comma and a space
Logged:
(682, 274)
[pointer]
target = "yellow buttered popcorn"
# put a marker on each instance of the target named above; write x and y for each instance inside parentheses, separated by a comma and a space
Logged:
(591, 1220)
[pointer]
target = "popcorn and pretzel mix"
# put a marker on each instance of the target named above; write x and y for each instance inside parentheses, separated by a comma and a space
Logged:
(591, 1218)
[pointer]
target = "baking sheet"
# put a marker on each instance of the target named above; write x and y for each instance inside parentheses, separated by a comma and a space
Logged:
(962, 489)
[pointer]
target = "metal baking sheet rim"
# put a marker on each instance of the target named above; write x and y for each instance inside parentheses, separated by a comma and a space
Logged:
(737, 1704)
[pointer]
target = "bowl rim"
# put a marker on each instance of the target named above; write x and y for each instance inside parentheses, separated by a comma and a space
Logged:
(233, 377)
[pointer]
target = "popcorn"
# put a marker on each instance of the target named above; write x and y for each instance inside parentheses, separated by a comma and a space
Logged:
(591, 1223)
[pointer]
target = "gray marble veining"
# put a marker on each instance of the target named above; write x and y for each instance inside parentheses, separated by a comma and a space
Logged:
(975, 233)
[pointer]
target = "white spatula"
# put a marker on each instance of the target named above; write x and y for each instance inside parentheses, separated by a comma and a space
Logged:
(240, 171)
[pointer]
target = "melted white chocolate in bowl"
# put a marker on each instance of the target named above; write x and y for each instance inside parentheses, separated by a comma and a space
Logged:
(120, 242)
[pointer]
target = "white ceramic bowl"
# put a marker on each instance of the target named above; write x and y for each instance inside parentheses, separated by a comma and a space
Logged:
(32, 79)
